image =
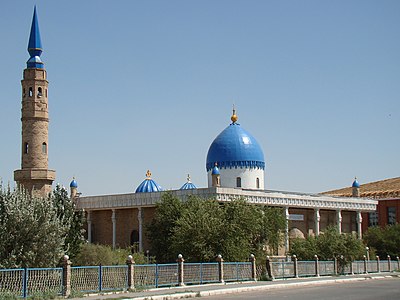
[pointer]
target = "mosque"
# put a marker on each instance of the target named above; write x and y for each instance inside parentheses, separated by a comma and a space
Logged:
(235, 168)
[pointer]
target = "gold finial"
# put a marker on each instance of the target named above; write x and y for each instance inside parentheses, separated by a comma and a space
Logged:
(234, 117)
(148, 174)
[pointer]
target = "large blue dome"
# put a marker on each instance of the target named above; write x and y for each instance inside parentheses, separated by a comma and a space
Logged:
(235, 147)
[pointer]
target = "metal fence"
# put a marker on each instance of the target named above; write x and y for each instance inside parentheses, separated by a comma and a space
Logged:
(291, 269)
(29, 282)
(35, 281)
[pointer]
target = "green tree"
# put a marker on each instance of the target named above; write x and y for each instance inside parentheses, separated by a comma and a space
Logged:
(161, 228)
(31, 234)
(273, 225)
(243, 226)
(200, 229)
(70, 218)
(386, 241)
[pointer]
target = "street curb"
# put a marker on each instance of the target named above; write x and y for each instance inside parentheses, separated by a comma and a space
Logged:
(253, 288)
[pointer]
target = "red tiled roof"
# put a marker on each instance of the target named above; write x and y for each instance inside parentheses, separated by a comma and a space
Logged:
(387, 188)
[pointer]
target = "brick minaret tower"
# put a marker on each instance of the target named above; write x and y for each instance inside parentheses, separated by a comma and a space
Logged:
(34, 175)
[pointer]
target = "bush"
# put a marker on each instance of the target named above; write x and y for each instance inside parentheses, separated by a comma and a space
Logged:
(94, 255)
(327, 246)
(386, 241)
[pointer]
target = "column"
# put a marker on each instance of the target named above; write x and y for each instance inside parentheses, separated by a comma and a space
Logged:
(114, 228)
(339, 220)
(140, 221)
(287, 230)
(359, 224)
(89, 225)
(317, 219)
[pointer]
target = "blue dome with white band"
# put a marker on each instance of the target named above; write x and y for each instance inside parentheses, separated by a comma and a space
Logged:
(235, 147)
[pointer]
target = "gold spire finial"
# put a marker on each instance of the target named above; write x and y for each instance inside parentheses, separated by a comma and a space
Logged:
(234, 117)
(148, 174)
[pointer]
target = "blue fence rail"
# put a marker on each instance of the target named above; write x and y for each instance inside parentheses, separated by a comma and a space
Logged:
(91, 279)
(88, 279)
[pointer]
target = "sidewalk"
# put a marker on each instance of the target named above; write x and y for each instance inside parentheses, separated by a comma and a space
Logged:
(229, 288)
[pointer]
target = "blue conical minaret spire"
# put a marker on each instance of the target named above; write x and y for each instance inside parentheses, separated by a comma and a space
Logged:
(35, 45)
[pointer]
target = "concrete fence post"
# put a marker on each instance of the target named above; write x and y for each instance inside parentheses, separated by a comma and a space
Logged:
(253, 267)
(180, 261)
(335, 266)
(131, 272)
(316, 265)
(268, 266)
(66, 279)
(378, 264)
(389, 264)
(365, 265)
(295, 270)
(220, 261)
(398, 263)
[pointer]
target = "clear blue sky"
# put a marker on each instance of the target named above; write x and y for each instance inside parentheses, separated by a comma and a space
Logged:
(137, 85)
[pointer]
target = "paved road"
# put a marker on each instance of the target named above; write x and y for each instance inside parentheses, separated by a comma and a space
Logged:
(386, 289)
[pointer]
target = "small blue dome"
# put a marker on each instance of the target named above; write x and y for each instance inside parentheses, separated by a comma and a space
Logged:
(188, 185)
(215, 170)
(235, 147)
(148, 185)
(73, 184)
(355, 183)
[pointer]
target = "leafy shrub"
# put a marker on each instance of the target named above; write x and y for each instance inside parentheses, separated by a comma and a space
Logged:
(94, 255)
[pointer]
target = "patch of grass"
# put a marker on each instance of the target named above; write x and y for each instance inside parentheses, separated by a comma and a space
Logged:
(8, 296)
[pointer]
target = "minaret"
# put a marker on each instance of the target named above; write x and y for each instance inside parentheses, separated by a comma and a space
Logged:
(355, 188)
(34, 175)
(74, 189)
(216, 176)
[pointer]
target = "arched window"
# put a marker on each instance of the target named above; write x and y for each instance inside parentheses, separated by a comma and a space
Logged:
(44, 148)
(39, 92)
(238, 182)
(30, 92)
(257, 183)
(26, 148)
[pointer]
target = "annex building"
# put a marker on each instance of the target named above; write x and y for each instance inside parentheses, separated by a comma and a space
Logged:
(386, 192)
(235, 167)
